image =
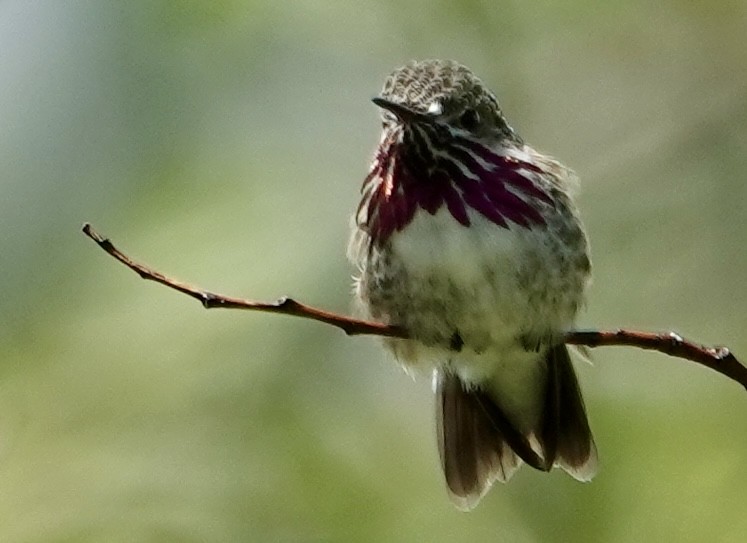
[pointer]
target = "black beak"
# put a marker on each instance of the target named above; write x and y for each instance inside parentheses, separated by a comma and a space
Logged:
(403, 113)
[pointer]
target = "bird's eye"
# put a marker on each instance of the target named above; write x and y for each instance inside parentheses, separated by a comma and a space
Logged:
(470, 119)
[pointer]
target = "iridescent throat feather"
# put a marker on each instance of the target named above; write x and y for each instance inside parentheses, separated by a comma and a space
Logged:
(415, 168)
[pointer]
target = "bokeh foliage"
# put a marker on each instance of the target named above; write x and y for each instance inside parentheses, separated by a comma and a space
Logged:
(225, 142)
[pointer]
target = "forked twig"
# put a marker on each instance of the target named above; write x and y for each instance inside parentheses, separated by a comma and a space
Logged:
(719, 359)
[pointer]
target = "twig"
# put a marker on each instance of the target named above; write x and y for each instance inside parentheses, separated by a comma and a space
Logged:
(210, 300)
(719, 359)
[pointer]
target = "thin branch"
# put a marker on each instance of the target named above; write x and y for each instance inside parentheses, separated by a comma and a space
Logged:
(210, 300)
(719, 359)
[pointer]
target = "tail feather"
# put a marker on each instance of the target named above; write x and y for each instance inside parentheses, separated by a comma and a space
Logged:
(565, 436)
(473, 451)
(478, 444)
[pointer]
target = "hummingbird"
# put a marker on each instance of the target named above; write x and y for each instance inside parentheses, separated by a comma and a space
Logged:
(470, 241)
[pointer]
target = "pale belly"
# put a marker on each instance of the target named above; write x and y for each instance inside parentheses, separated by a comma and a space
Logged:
(493, 286)
(484, 301)
(483, 293)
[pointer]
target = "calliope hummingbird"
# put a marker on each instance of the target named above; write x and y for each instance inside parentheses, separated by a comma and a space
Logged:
(469, 240)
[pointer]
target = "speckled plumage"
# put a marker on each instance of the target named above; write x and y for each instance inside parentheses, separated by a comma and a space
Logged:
(469, 240)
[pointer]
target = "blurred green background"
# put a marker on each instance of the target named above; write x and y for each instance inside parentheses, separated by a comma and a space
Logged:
(225, 142)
